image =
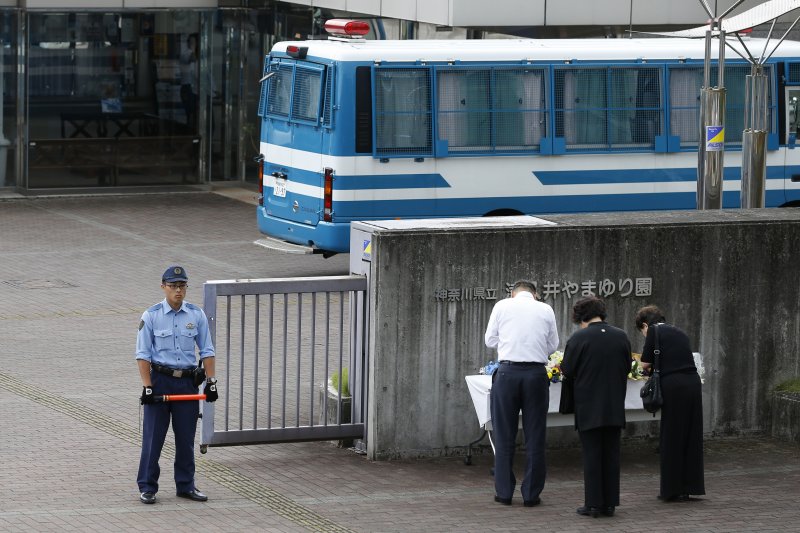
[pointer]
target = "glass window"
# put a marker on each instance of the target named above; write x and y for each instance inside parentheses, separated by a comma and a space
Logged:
(113, 99)
(403, 111)
(295, 91)
(519, 106)
(635, 107)
(685, 84)
(463, 109)
(491, 109)
(280, 90)
(581, 96)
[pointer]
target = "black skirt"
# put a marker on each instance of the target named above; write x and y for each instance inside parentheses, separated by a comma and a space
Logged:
(681, 439)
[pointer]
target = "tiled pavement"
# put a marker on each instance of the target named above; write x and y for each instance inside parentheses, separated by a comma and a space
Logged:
(75, 275)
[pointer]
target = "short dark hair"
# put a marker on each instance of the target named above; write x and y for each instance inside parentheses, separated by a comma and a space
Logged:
(588, 308)
(649, 314)
(525, 285)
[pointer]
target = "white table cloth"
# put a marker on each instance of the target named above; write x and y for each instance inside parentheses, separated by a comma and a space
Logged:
(480, 385)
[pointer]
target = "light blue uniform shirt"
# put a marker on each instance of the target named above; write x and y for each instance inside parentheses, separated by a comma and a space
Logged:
(167, 337)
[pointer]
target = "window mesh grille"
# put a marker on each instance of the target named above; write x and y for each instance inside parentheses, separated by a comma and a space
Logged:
(403, 111)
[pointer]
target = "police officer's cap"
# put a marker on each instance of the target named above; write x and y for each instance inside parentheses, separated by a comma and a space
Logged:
(175, 273)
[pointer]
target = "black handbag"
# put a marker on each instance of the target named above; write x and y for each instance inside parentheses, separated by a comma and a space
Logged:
(651, 390)
(566, 404)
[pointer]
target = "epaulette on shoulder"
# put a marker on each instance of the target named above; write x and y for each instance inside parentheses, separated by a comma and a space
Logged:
(193, 307)
(155, 307)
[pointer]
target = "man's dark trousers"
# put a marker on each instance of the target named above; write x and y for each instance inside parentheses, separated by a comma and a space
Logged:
(154, 431)
(516, 387)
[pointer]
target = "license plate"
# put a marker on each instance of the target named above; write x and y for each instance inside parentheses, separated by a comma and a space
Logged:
(280, 188)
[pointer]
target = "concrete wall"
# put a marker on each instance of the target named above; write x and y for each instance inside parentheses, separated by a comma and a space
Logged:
(728, 278)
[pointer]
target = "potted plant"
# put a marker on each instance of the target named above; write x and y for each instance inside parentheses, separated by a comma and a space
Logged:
(331, 389)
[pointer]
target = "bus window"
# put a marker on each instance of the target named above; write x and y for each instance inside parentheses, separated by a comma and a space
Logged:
(463, 105)
(491, 109)
(403, 111)
(363, 110)
(643, 90)
(279, 93)
(793, 99)
(580, 106)
(520, 103)
(295, 92)
(684, 99)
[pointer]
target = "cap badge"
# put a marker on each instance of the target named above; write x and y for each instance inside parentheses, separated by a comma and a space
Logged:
(177, 270)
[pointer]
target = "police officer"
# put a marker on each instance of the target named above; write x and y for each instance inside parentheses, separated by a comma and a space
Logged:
(165, 353)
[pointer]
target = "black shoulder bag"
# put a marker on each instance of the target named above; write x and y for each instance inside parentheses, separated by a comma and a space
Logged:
(651, 390)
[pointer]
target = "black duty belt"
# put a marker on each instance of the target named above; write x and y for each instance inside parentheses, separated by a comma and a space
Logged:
(174, 372)
(521, 363)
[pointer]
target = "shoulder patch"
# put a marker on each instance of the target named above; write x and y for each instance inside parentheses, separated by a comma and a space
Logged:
(141, 324)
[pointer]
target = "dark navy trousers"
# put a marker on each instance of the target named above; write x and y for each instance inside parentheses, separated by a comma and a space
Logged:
(157, 418)
(516, 388)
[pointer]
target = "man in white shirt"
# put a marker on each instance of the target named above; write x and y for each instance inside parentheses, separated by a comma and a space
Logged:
(523, 330)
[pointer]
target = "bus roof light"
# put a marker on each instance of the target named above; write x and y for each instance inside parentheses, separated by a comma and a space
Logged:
(297, 52)
(347, 28)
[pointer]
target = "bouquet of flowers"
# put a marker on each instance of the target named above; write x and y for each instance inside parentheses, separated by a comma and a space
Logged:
(553, 367)
(637, 372)
(554, 374)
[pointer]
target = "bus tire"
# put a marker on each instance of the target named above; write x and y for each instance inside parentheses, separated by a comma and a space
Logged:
(503, 213)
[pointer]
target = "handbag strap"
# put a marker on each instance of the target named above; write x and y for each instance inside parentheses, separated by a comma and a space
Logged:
(656, 350)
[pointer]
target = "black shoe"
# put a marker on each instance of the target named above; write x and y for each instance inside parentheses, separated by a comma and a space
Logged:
(504, 501)
(148, 497)
(532, 503)
(588, 511)
(683, 497)
(193, 494)
(608, 510)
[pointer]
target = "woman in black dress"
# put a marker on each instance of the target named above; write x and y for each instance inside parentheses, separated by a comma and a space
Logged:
(681, 439)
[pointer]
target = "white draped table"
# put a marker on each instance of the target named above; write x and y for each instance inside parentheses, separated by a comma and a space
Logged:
(480, 386)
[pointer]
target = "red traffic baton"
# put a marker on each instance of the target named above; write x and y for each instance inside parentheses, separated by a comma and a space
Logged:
(178, 397)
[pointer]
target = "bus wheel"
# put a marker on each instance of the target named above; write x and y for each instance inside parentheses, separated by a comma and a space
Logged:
(503, 213)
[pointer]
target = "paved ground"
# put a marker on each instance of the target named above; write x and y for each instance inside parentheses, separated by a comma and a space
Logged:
(75, 275)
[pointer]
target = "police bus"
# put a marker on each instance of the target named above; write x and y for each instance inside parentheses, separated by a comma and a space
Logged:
(355, 129)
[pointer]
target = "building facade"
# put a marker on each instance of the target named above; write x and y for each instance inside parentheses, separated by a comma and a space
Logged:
(137, 94)
(134, 94)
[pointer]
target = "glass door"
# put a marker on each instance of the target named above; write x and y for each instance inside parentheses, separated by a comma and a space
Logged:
(113, 99)
(8, 93)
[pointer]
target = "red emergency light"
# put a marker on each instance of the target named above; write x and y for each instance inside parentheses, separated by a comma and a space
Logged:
(297, 52)
(347, 28)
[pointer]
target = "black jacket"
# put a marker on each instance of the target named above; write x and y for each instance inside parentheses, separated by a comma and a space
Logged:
(598, 359)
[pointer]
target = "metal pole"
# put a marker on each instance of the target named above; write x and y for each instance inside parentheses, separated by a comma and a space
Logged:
(711, 152)
(754, 140)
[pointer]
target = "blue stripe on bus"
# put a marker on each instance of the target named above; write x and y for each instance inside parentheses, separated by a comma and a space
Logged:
(639, 175)
(469, 207)
(363, 182)
(390, 181)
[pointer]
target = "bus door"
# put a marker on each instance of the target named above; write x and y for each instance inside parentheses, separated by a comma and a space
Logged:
(296, 95)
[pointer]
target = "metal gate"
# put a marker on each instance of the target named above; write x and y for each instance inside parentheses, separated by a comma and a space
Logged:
(285, 347)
